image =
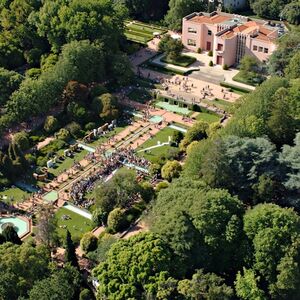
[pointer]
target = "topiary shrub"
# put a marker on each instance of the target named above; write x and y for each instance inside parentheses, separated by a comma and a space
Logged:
(51, 124)
(211, 64)
(225, 67)
(88, 242)
(117, 220)
(199, 50)
(210, 53)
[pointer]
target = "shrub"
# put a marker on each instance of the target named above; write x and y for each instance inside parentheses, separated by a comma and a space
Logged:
(4, 182)
(199, 50)
(225, 67)
(90, 126)
(210, 53)
(86, 294)
(162, 185)
(74, 128)
(98, 90)
(99, 217)
(88, 242)
(63, 134)
(116, 220)
(41, 161)
(211, 63)
(171, 170)
(147, 191)
(30, 158)
(51, 124)
(22, 140)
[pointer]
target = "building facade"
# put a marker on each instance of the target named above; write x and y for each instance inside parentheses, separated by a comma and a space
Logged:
(229, 36)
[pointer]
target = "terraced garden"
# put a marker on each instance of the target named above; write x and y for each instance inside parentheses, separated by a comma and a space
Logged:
(141, 33)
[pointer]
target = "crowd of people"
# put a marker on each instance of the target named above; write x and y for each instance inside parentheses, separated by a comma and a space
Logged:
(107, 165)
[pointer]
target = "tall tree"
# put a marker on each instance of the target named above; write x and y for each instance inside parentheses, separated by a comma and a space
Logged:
(70, 252)
(10, 235)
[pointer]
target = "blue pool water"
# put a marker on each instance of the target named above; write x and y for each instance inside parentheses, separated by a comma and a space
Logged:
(20, 225)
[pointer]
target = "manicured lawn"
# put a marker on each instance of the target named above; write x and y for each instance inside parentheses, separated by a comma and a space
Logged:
(220, 103)
(140, 95)
(68, 162)
(77, 224)
(13, 194)
(207, 117)
(162, 136)
(249, 78)
(182, 61)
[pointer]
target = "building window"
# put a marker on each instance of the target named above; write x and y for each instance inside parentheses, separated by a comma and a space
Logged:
(260, 49)
(220, 47)
(192, 30)
(266, 50)
(209, 32)
(191, 42)
(254, 48)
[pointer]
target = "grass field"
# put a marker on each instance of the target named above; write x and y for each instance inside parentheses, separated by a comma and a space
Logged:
(182, 61)
(162, 136)
(141, 32)
(77, 224)
(220, 103)
(68, 162)
(13, 195)
(207, 117)
(252, 79)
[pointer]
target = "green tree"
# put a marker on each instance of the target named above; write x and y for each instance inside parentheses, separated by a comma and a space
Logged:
(9, 82)
(116, 220)
(51, 124)
(171, 170)
(181, 8)
(246, 286)
(22, 140)
(70, 251)
(291, 12)
(88, 242)
(10, 235)
(86, 294)
(132, 265)
(205, 286)
(292, 70)
(62, 284)
(171, 47)
(106, 106)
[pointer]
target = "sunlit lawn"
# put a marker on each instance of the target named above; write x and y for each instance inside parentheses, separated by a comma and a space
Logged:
(77, 224)
(15, 194)
(207, 117)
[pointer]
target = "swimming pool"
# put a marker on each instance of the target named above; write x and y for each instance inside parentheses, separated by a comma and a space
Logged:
(20, 225)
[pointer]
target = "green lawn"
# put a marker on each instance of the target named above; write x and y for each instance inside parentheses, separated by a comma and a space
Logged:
(182, 61)
(252, 78)
(207, 117)
(163, 137)
(220, 103)
(140, 95)
(13, 194)
(77, 224)
(68, 162)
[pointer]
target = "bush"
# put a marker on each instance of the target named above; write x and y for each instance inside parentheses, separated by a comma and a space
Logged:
(211, 63)
(147, 191)
(41, 161)
(90, 126)
(117, 220)
(99, 217)
(74, 128)
(199, 50)
(63, 134)
(210, 53)
(86, 294)
(98, 90)
(88, 242)
(161, 185)
(30, 158)
(51, 124)
(171, 170)
(240, 89)
(22, 140)
(4, 182)
(225, 67)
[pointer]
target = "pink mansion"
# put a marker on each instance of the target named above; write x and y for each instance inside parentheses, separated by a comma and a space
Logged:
(229, 36)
